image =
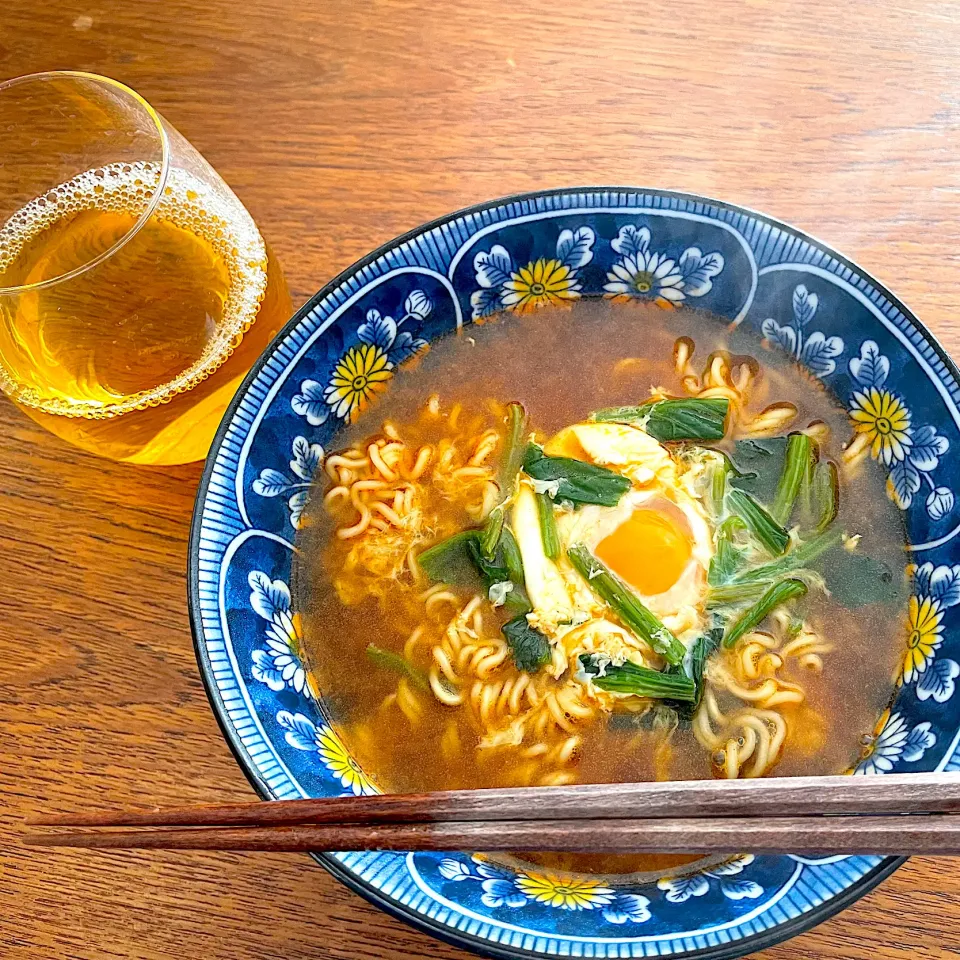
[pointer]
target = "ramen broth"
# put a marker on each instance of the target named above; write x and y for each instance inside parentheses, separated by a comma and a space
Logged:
(561, 364)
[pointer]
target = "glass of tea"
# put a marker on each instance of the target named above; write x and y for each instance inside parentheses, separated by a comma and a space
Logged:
(135, 289)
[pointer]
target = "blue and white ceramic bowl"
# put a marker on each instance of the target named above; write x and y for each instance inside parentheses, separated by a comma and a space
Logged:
(845, 327)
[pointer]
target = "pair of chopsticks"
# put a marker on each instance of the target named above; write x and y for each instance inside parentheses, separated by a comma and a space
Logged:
(893, 814)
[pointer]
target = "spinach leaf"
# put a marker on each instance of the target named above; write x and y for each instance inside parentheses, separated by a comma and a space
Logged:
(758, 463)
(689, 418)
(451, 561)
(530, 648)
(855, 579)
(629, 677)
(580, 482)
(771, 535)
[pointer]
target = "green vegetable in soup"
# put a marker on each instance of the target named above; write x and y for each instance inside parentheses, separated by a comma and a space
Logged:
(825, 494)
(693, 666)
(668, 420)
(758, 464)
(530, 648)
(548, 526)
(855, 579)
(499, 571)
(720, 469)
(767, 531)
(490, 539)
(579, 482)
(513, 449)
(629, 677)
(460, 562)
(610, 588)
(774, 597)
(801, 556)
(492, 571)
(511, 556)
(450, 561)
(507, 477)
(797, 464)
(393, 661)
(727, 557)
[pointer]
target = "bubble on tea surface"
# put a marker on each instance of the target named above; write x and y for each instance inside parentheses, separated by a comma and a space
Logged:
(214, 215)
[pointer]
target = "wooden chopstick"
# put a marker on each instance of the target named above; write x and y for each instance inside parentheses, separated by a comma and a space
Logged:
(902, 835)
(771, 797)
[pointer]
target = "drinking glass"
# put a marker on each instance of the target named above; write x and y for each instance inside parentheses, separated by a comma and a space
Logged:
(135, 289)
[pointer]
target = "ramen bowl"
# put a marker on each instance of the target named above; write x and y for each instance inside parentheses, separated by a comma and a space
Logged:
(843, 327)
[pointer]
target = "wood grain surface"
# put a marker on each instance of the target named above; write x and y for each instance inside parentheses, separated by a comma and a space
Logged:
(341, 125)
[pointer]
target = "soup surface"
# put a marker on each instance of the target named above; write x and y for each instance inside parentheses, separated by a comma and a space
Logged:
(440, 670)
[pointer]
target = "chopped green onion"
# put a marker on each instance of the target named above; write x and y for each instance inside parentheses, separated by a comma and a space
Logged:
(770, 534)
(393, 661)
(530, 648)
(609, 587)
(548, 526)
(490, 539)
(796, 464)
(686, 419)
(825, 492)
(777, 595)
(629, 677)
(579, 482)
(753, 582)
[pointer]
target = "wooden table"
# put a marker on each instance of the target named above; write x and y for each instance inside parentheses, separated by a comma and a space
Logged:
(342, 125)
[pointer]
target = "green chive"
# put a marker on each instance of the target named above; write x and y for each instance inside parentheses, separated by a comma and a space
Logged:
(610, 588)
(548, 526)
(770, 534)
(776, 596)
(629, 677)
(579, 482)
(665, 420)
(393, 661)
(796, 464)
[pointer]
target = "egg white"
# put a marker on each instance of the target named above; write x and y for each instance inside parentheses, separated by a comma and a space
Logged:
(564, 605)
(679, 607)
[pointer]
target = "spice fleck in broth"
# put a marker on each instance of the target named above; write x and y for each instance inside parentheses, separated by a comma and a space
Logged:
(530, 564)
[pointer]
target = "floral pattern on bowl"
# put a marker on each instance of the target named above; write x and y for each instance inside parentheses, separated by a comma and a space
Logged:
(342, 349)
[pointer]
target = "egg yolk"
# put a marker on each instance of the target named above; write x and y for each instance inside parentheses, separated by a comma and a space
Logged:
(648, 550)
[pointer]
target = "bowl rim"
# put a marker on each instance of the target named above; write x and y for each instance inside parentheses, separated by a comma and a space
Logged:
(478, 945)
